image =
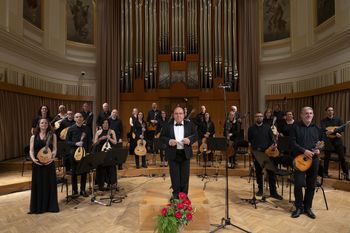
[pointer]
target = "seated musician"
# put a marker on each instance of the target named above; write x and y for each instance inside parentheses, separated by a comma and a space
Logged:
(232, 132)
(105, 173)
(139, 129)
(77, 136)
(206, 130)
(260, 137)
(333, 141)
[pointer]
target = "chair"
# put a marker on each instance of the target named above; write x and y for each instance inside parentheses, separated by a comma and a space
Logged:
(242, 147)
(334, 157)
(26, 157)
(318, 185)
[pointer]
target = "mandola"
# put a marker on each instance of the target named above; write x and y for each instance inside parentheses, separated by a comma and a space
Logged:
(303, 163)
(335, 128)
(45, 154)
(80, 151)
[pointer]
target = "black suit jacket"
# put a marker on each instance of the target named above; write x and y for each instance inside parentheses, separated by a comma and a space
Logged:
(168, 133)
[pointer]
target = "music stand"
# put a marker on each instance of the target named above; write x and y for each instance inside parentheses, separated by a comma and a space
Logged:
(265, 163)
(114, 157)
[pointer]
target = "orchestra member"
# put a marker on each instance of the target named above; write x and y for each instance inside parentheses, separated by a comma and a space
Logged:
(103, 115)
(61, 114)
(77, 136)
(303, 137)
(260, 137)
(333, 141)
(153, 117)
(43, 113)
(178, 136)
(268, 117)
(105, 173)
(233, 133)
(139, 129)
(131, 134)
(206, 130)
(117, 125)
(161, 123)
(88, 117)
(43, 197)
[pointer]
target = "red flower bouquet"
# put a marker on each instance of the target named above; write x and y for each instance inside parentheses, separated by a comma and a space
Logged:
(175, 215)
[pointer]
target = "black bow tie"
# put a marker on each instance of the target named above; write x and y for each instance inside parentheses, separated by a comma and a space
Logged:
(178, 124)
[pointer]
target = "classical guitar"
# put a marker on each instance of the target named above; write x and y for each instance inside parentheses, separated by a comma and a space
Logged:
(80, 151)
(335, 129)
(272, 151)
(204, 146)
(303, 163)
(140, 148)
(45, 154)
(152, 126)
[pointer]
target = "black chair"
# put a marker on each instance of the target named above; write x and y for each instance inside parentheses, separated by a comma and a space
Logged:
(318, 185)
(334, 157)
(26, 157)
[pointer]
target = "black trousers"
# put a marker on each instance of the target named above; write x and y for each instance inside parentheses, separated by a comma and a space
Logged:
(259, 174)
(338, 149)
(179, 173)
(307, 179)
(74, 165)
(162, 155)
(137, 160)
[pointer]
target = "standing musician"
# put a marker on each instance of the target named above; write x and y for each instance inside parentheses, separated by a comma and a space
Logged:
(268, 117)
(178, 136)
(232, 132)
(139, 130)
(161, 123)
(67, 122)
(131, 134)
(153, 117)
(75, 139)
(61, 114)
(103, 115)
(260, 137)
(333, 139)
(43, 197)
(117, 125)
(285, 125)
(206, 130)
(237, 115)
(88, 117)
(200, 116)
(43, 113)
(107, 173)
(303, 139)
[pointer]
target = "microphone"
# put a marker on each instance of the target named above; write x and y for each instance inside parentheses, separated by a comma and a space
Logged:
(224, 85)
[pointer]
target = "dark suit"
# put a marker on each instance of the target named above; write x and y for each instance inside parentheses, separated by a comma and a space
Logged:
(179, 160)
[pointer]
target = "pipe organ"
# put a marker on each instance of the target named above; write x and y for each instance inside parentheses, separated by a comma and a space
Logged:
(168, 41)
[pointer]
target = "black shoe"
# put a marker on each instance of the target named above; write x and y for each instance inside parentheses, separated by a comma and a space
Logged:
(84, 194)
(326, 176)
(276, 196)
(347, 177)
(296, 213)
(75, 194)
(144, 166)
(137, 166)
(259, 193)
(309, 213)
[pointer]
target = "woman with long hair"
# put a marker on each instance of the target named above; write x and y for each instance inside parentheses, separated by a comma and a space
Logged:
(43, 196)
(139, 129)
(43, 113)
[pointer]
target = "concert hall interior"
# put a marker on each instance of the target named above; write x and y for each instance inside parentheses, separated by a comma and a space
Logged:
(174, 115)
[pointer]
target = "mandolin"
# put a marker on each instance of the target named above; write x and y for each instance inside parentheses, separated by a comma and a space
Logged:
(45, 154)
(204, 146)
(63, 133)
(335, 129)
(106, 146)
(80, 151)
(303, 163)
(272, 151)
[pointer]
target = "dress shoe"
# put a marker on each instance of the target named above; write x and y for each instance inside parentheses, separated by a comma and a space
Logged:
(276, 196)
(309, 213)
(75, 194)
(259, 193)
(296, 213)
(347, 177)
(84, 194)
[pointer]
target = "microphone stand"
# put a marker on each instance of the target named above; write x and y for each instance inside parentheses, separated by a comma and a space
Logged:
(226, 221)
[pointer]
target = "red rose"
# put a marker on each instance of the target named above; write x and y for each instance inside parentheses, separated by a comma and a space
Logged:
(164, 211)
(187, 202)
(189, 217)
(178, 215)
(180, 205)
(189, 208)
(182, 195)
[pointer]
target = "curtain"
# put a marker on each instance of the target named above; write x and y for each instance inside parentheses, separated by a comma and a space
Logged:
(107, 48)
(248, 57)
(16, 114)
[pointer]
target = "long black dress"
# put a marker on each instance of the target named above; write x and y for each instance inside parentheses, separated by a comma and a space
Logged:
(43, 196)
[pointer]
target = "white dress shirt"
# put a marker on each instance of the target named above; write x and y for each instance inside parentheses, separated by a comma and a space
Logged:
(179, 132)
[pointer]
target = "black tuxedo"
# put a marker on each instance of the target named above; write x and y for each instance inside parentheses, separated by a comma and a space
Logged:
(179, 160)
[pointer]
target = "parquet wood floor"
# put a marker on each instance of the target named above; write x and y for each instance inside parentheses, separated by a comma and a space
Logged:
(145, 193)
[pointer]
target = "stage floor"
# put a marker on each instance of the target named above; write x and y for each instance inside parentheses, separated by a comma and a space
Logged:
(146, 195)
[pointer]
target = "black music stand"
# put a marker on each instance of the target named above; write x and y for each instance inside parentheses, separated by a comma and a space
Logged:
(265, 163)
(114, 157)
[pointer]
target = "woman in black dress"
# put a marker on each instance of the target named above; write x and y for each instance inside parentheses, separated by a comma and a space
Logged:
(105, 173)
(43, 196)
